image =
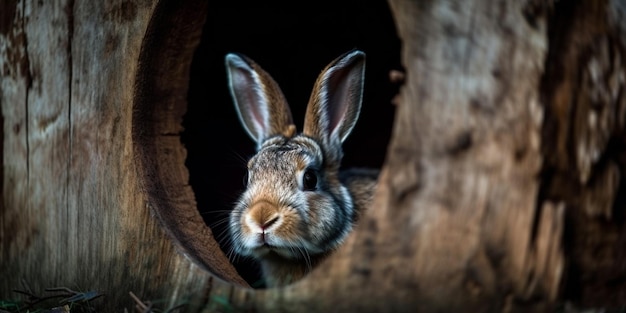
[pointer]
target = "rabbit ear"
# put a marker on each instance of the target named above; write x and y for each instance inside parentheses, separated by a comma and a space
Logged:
(336, 99)
(260, 103)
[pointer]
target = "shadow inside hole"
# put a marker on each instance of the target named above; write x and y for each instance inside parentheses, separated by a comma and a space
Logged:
(293, 43)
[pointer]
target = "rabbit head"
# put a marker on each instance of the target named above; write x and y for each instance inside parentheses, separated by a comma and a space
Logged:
(294, 206)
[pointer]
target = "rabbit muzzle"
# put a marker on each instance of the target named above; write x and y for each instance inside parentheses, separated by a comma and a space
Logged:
(266, 226)
(262, 217)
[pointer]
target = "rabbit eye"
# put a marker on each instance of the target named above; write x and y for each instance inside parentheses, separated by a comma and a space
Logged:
(309, 180)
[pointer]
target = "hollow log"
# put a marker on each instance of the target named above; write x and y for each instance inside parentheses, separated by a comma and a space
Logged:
(501, 189)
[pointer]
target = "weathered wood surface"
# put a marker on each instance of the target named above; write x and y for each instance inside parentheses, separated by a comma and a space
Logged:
(583, 144)
(501, 187)
(74, 212)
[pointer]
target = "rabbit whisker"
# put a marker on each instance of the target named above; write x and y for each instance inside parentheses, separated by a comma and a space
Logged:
(238, 156)
(221, 221)
(305, 255)
(217, 212)
(223, 237)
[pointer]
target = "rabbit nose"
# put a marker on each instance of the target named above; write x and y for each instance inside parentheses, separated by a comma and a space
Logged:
(263, 216)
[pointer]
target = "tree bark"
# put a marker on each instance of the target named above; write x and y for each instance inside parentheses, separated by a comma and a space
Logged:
(501, 192)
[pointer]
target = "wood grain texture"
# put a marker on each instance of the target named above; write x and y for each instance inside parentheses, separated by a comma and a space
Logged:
(163, 77)
(74, 211)
(502, 181)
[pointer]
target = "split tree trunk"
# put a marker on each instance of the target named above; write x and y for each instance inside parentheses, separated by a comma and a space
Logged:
(502, 189)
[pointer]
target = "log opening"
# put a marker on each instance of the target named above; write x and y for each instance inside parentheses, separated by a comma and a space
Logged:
(183, 106)
(217, 144)
(160, 103)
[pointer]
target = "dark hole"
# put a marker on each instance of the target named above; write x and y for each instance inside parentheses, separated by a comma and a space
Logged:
(293, 42)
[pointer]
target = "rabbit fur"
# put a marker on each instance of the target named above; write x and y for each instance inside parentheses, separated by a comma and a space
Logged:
(298, 206)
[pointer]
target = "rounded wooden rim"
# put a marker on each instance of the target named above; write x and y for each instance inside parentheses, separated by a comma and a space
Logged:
(160, 102)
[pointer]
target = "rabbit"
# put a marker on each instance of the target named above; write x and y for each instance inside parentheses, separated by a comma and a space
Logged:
(298, 206)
